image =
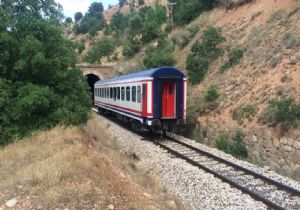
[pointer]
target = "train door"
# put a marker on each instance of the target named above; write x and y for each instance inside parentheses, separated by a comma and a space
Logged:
(168, 99)
(144, 100)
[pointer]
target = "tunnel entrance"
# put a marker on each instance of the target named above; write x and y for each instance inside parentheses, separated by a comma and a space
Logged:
(92, 79)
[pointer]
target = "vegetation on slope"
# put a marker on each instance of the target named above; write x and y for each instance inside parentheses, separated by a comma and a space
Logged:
(39, 86)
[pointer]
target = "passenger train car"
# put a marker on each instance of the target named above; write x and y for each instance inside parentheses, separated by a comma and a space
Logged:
(153, 99)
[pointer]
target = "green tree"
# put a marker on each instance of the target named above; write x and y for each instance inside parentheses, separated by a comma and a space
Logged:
(39, 85)
(68, 20)
(160, 55)
(103, 47)
(78, 16)
(203, 53)
(121, 3)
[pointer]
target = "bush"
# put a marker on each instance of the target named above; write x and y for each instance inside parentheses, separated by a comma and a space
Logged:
(186, 11)
(160, 55)
(203, 53)
(234, 58)
(212, 94)
(130, 47)
(222, 142)
(193, 30)
(83, 28)
(233, 147)
(244, 111)
(103, 47)
(291, 40)
(282, 111)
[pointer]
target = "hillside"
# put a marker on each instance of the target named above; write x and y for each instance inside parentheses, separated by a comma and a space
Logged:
(75, 168)
(267, 34)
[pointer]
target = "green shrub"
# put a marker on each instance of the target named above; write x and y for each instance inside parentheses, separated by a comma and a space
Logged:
(103, 47)
(203, 53)
(160, 55)
(193, 30)
(222, 142)
(234, 146)
(186, 11)
(284, 111)
(130, 47)
(183, 41)
(212, 94)
(234, 58)
(244, 111)
(291, 40)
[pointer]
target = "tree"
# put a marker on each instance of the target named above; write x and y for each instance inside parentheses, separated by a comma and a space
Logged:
(103, 47)
(203, 53)
(39, 84)
(121, 3)
(95, 9)
(141, 2)
(78, 16)
(68, 20)
(159, 56)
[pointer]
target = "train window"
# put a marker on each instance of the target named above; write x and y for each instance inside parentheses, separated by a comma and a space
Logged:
(118, 93)
(139, 94)
(133, 93)
(115, 93)
(111, 92)
(123, 93)
(127, 93)
(107, 92)
(99, 91)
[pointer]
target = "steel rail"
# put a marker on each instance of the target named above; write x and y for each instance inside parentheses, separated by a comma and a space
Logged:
(241, 168)
(223, 178)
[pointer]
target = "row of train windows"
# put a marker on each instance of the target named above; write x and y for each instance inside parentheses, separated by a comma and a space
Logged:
(120, 93)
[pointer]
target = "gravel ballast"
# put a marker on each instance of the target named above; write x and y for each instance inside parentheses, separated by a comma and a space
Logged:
(195, 188)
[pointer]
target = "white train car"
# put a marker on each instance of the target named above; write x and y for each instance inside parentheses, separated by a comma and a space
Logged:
(153, 98)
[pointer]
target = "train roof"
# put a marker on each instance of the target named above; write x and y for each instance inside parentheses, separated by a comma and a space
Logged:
(154, 73)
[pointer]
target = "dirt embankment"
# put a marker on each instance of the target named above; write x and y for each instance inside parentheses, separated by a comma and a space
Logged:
(75, 168)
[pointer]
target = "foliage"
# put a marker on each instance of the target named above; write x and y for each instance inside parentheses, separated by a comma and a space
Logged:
(222, 142)
(141, 2)
(187, 10)
(284, 111)
(92, 21)
(203, 53)
(39, 86)
(233, 147)
(145, 22)
(103, 47)
(160, 55)
(78, 16)
(212, 94)
(130, 47)
(291, 40)
(244, 111)
(234, 58)
(185, 37)
(68, 20)
(121, 3)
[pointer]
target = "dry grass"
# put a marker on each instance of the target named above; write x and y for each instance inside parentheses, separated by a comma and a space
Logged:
(75, 168)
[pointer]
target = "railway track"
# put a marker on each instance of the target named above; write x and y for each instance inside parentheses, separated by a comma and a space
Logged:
(274, 194)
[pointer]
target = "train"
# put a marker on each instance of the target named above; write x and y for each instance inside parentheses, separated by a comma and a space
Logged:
(153, 100)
